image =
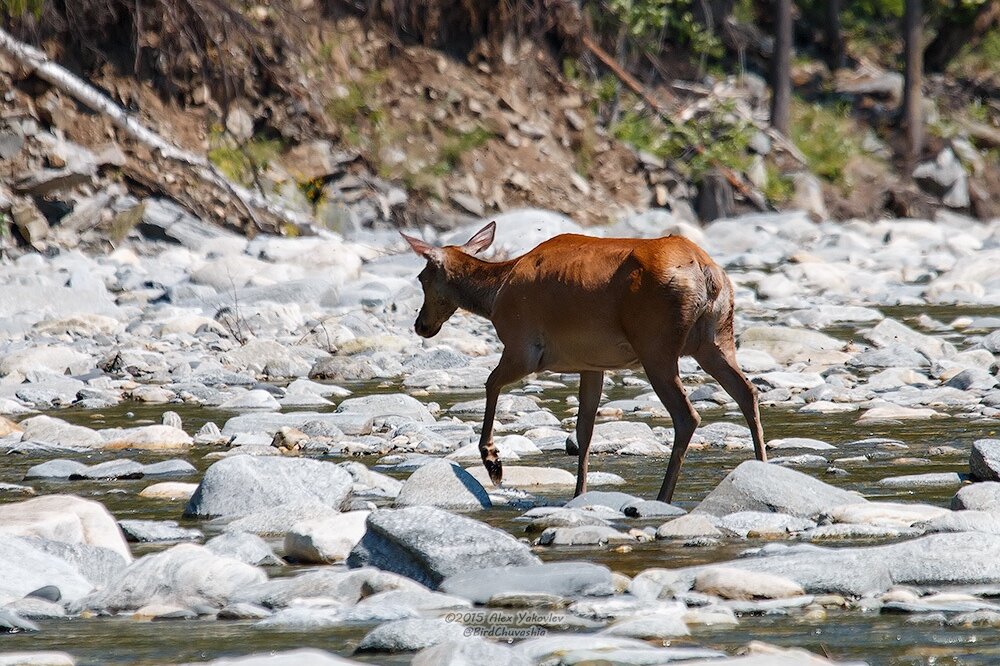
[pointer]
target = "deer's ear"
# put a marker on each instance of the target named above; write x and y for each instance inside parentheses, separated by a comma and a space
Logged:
(482, 240)
(423, 248)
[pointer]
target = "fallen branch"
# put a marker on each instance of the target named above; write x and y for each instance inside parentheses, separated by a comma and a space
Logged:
(37, 62)
(632, 84)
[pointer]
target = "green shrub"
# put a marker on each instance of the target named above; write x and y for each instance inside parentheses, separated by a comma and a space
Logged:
(242, 162)
(827, 137)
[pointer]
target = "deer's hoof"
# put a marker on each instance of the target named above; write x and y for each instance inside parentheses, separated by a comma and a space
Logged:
(495, 469)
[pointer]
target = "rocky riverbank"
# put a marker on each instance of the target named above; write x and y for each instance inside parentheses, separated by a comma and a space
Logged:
(338, 485)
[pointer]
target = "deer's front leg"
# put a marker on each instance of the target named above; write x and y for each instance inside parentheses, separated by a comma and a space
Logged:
(591, 383)
(510, 369)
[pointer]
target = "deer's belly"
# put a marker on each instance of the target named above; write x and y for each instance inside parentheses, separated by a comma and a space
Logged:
(594, 353)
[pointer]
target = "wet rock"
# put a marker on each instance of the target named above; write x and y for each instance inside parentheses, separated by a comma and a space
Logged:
(657, 624)
(240, 485)
(584, 535)
(800, 443)
(12, 623)
(443, 485)
(145, 531)
(112, 469)
(565, 579)
(325, 540)
(276, 521)
(184, 574)
(757, 486)
(429, 544)
(28, 566)
(169, 490)
(886, 514)
(244, 547)
(737, 584)
(410, 635)
(65, 518)
(148, 438)
(889, 332)
(373, 406)
(579, 648)
(692, 525)
(984, 461)
(936, 480)
(287, 658)
(56, 431)
(243, 611)
(963, 521)
(891, 413)
(762, 524)
(288, 439)
(58, 468)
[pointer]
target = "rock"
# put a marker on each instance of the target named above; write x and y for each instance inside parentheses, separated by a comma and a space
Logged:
(410, 635)
(289, 439)
(374, 406)
(892, 413)
(443, 485)
(50, 430)
(659, 624)
(185, 574)
(789, 345)
(58, 468)
(27, 567)
(252, 400)
(936, 480)
(518, 476)
(172, 419)
(945, 177)
(738, 584)
(469, 652)
(147, 438)
(584, 535)
(325, 540)
(934, 560)
(745, 523)
(715, 197)
(244, 547)
(630, 505)
(566, 579)
(886, 514)
(800, 443)
(689, 526)
(145, 531)
(978, 497)
(576, 648)
(276, 521)
(808, 196)
(240, 485)
(243, 611)
(428, 544)
(963, 521)
(299, 657)
(757, 486)
(984, 461)
(889, 332)
(169, 490)
(12, 623)
(112, 469)
(65, 518)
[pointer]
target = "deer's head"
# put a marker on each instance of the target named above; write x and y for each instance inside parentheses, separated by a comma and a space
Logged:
(439, 292)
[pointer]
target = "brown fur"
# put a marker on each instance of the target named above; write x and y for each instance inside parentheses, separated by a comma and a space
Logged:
(583, 304)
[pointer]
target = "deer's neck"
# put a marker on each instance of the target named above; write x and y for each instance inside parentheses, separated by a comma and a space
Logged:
(475, 283)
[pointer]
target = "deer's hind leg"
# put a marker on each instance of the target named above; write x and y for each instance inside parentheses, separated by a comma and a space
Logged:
(718, 358)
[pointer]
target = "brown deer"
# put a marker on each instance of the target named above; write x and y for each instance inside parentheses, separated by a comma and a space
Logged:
(582, 304)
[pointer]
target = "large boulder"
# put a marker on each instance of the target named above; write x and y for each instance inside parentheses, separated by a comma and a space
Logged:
(984, 461)
(374, 406)
(978, 497)
(27, 567)
(65, 518)
(53, 431)
(241, 485)
(186, 575)
(758, 486)
(443, 485)
(325, 540)
(299, 657)
(429, 544)
(567, 579)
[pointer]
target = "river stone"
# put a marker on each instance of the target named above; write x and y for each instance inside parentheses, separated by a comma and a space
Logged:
(325, 540)
(800, 443)
(963, 521)
(173, 467)
(566, 579)
(518, 476)
(276, 521)
(576, 648)
(112, 469)
(27, 567)
(147, 438)
(469, 652)
(241, 485)
(145, 531)
(374, 406)
(301, 657)
(984, 461)
(935, 480)
(49, 430)
(245, 547)
(690, 526)
(59, 468)
(64, 518)
(758, 486)
(743, 523)
(885, 514)
(583, 535)
(889, 332)
(428, 544)
(186, 574)
(326, 583)
(978, 496)
(349, 423)
(410, 635)
(630, 505)
(738, 584)
(443, 485)
(170, 490)
(938, 559)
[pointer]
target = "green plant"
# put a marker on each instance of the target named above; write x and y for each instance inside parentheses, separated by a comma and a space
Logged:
(242, 162)
(459, 143)
(18, 8)
(648, 22)
(827, 137)
(779, 188)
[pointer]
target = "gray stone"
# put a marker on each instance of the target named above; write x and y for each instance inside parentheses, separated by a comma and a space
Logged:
(978, 497)
(184, 574)
(28, 567)
(410, 635)
(428, 544)
(584, 535)
(346, 587)
(743, 523)
(469, 652)
(757, 486)
(112, 469)
(373, 406)
(568, 579)
(443, 485)
(299, 657)
(984, 461)
(58, 468)
(144, 531)
(935, 480)
(245, 547)
(241, 485)
(12, 623)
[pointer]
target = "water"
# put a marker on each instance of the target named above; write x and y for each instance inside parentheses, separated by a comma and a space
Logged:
(877, 638)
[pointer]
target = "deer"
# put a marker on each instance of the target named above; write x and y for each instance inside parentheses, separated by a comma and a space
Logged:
(587, 305)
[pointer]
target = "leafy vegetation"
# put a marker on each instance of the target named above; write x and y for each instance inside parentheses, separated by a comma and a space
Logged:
(779, 188)
(827, 136)
(647, 23)
(17, 8)
(242, 162)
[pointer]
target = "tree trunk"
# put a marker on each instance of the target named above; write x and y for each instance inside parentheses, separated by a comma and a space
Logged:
(781, 65)
(912, 79)
(833, 36)
(958, 29)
